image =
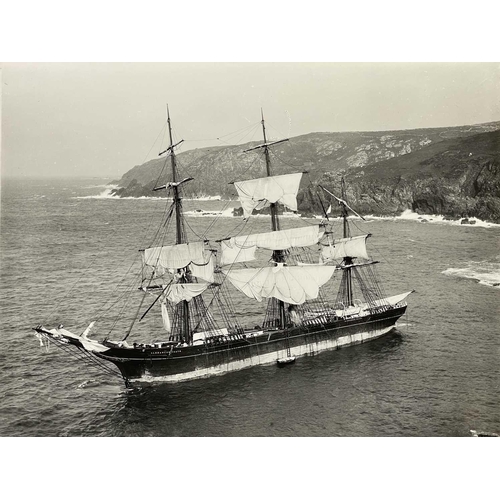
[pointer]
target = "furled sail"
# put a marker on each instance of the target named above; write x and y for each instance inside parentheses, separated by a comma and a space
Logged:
(242, 248)
(253, 194)
(291, 284)
(346, 247)
(176, 256)
(184, 291)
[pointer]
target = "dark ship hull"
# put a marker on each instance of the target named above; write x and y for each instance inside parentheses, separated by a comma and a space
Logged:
(235, 352)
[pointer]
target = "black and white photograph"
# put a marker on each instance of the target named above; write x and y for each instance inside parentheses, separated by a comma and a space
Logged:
(246, 247)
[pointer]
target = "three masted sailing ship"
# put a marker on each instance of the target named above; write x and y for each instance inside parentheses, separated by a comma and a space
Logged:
(192, 285)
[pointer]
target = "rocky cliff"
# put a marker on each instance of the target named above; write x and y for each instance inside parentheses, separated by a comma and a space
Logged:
(455, 177)
(452, 170)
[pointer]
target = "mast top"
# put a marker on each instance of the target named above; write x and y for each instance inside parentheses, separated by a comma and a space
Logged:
(174, 185)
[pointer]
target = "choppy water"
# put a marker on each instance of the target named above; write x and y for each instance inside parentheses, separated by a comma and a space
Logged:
(437, 375)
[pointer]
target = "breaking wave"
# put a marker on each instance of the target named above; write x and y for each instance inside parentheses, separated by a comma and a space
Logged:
(88, 383)
(409, 215)
(485, 273)
(102, 195)
(106, 194)
(441, 219)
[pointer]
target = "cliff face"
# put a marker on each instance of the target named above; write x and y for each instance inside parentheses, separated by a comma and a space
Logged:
(453, 171)
(455, 178)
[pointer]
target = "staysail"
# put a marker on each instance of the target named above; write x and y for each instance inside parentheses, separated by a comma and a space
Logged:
(391, 301)
(242, 248)
(290, 284)
(254, 193)
(346, 247)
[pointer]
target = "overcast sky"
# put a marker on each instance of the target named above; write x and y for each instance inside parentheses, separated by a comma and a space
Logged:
(101, 119)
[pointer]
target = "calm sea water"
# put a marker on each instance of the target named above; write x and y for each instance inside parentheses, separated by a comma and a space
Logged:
(64, 251)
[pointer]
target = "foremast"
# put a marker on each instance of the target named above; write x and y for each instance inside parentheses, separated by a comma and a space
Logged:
(179, 266)
(179, 223)
(185, 277)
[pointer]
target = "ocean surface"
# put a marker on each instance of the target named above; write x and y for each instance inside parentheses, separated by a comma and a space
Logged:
(65, 247)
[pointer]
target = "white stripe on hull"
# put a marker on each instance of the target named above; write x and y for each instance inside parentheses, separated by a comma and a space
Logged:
(269, 358)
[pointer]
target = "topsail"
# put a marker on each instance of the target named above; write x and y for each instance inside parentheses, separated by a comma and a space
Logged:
(242, 248)
(254, 194)
(181, 256)
(346, 247)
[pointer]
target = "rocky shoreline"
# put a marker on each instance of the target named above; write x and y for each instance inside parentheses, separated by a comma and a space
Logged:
(454, 172)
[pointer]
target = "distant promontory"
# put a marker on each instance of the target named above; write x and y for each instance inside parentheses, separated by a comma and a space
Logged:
(452, 171)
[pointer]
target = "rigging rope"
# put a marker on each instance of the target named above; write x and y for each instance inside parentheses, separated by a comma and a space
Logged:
(240, 141)
(84, 356)
(252, 125)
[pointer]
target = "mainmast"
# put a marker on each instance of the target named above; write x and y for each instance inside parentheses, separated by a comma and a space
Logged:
(251, 195)
(281, 284)
(278, 255)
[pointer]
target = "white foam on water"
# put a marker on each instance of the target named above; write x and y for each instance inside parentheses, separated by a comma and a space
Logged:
(103, 194)
(409, 215)
(485, 273)
(406, 215)
(106, 194)
(207, 198)
(228, 212)
(440, 219)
